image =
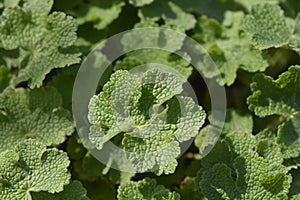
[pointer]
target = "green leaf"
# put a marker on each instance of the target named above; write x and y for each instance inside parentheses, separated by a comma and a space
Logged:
(145, 189)
(229, 47)
(267, 98)
(44, 40)
(147, 110)
(235, 122)
(267, 25)
(33, 114)
(100, 13)
(254, 170)
(270, 28)
(31, 167)
(73, 191)
(217, 183)
(172, 15)
(270, 151)
(288, 137)
(280, 97)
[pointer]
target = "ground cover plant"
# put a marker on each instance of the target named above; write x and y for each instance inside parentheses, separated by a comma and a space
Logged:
(255, 46)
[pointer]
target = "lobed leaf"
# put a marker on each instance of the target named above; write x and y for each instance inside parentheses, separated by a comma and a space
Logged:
(270, 28)
(280, 97)
(33, 114)
(254, 170)
(45, 39)
(146, 114)
(31, 167)
(229, 48)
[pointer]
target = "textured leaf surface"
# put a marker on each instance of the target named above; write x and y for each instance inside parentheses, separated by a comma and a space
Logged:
(267, 98)
(33, 114)
(248, 173)
(30, 167)
(44, 40)
(280, 97)
(235, 122)
(229, 48)
(146, 109)
(145, 189)
(270, 28)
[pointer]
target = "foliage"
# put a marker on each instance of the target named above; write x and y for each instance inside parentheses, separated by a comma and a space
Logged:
(31, 167)
(147, 109)
(149, 114)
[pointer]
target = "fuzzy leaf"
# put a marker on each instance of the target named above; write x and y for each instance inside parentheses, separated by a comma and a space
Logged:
(30, 167)
(45, 40)
(248, 174)
(267, 25)
(33, 114)
(229, 47)
(270, 28)
(280, 97)
(147, 110)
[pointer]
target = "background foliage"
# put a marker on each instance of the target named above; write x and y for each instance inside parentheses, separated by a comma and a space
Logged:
(255, 45)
